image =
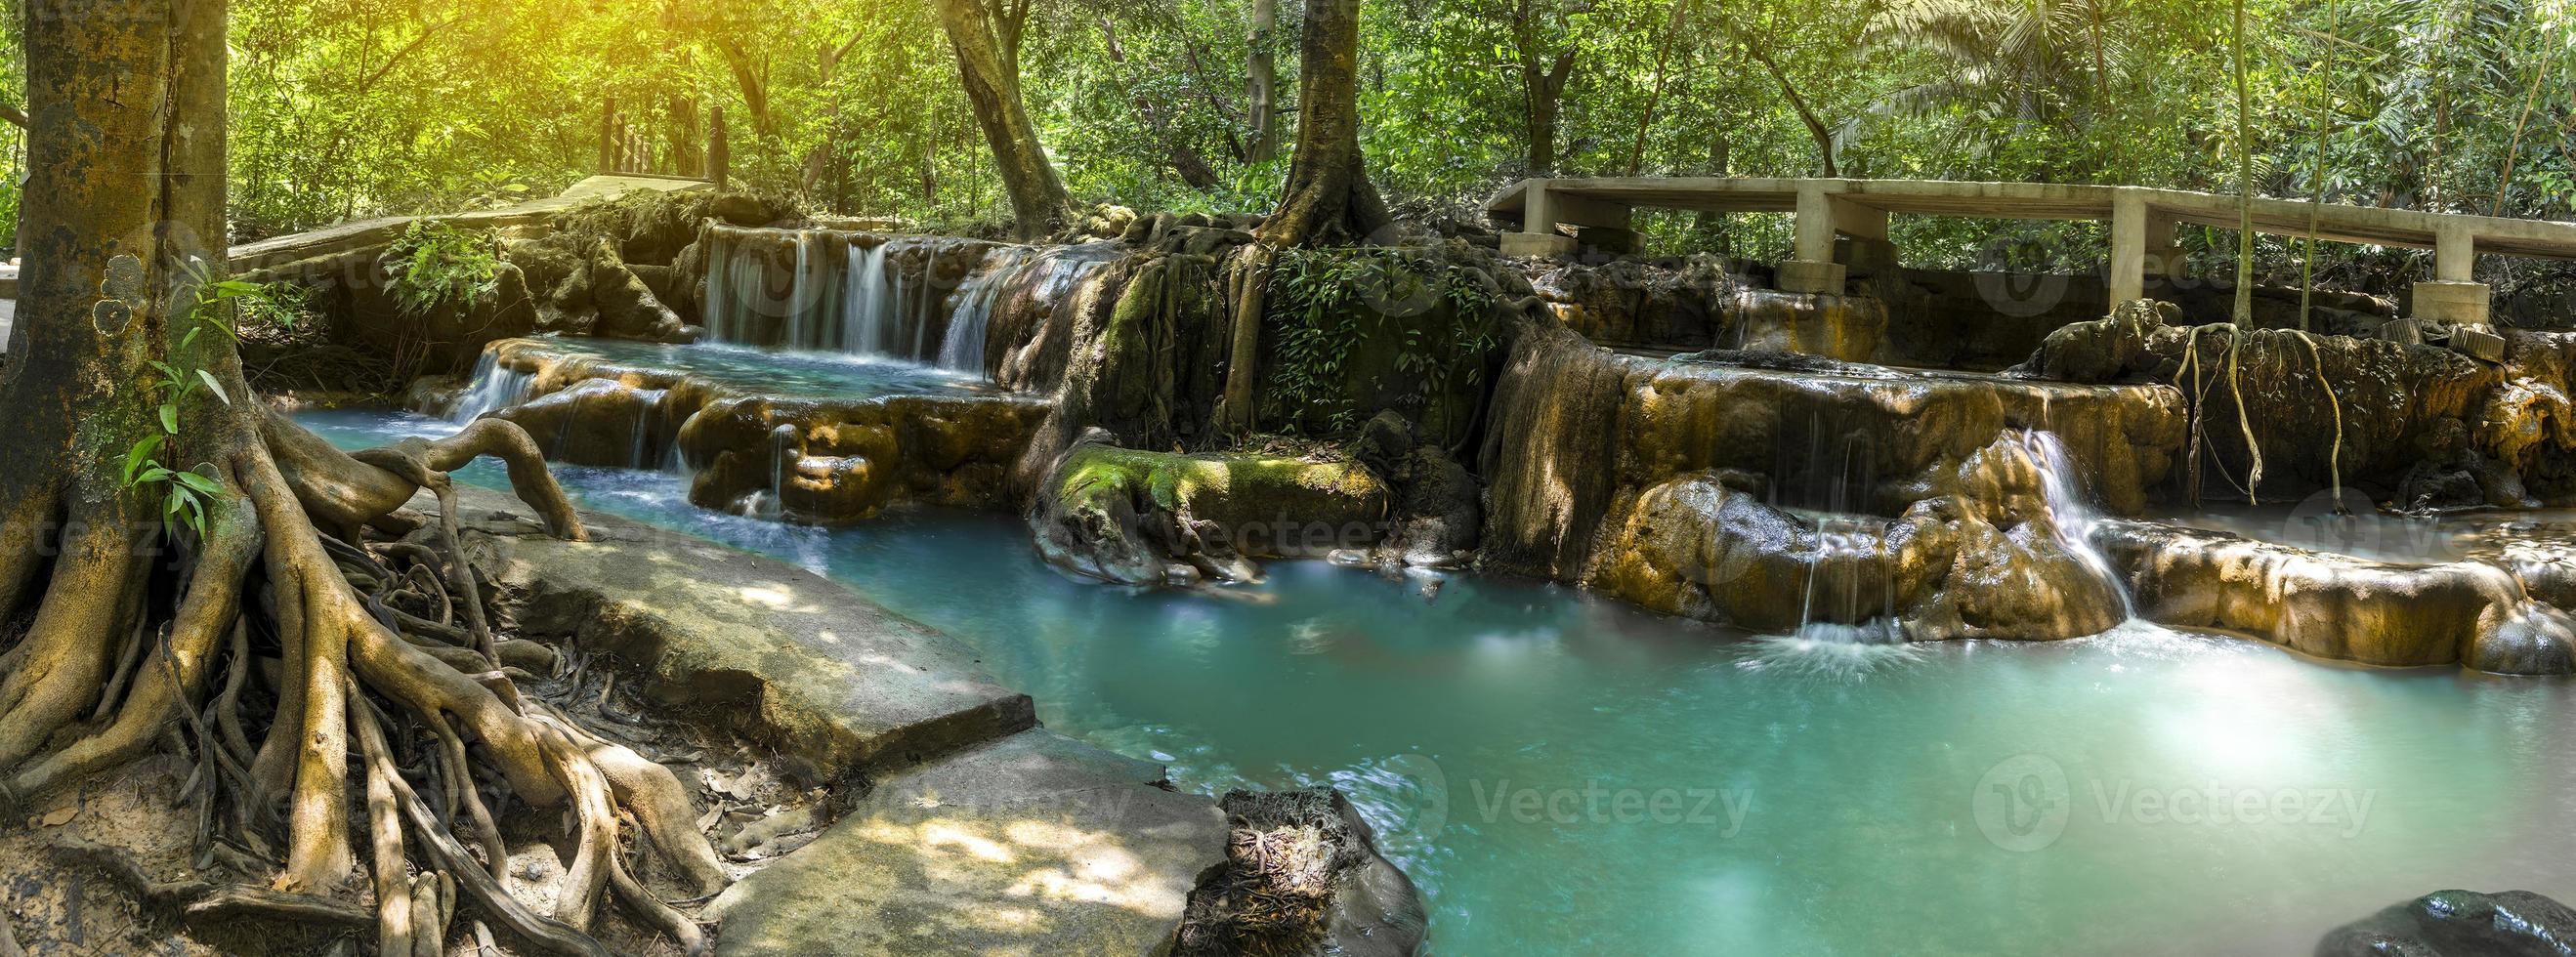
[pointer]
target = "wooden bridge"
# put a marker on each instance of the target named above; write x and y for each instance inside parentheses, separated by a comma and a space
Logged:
(2141, 221)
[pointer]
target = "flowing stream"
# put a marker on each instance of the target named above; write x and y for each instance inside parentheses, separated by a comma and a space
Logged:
(1564, 774)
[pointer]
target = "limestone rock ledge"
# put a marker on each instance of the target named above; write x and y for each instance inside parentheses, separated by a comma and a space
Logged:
(973, 831)
(2335, 606)
(824, 461)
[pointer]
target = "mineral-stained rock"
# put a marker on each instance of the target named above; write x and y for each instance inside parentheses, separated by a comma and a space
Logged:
(2457, 923)
(1579, 433)
(1986, 555)
(2337, 606)
(2101, 350)
(817, 461)
(1153, 518)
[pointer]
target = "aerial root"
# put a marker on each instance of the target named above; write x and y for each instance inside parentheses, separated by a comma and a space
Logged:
(404, 626)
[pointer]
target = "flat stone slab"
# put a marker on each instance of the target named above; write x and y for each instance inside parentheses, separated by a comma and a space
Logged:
(802, 663)
(1035, 844)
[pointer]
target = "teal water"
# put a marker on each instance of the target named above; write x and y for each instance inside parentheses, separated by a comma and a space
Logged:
(1563, 774)
(777, 372)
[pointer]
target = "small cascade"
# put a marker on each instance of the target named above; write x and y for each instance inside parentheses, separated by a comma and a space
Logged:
(962, 349)
(871, 305)
(493, 386)
(645, 412)
(2075, 517)
(752, 302)
(1851, 555)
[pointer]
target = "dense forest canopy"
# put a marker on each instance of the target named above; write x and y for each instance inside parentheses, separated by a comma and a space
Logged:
(345, 108)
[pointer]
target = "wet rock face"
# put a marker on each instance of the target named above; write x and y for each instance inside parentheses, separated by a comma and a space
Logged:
(1157, 518)
(2336, 606)
(1695, 304)
(1988, 555)
(836, 462)
(1580, 432)
(352, 294)
(823, 462)
(2415, 425)
(1302, 876)
(2457, 923)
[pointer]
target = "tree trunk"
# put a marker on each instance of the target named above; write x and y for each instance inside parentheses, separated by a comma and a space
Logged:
(1542, 90)
(1328, 198)
(1039, 203)
(1816, 128)
(1262, 85)
(122, 358)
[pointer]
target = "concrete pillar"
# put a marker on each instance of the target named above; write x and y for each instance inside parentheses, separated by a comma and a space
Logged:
(1810, 267)
(2128, 247)
(2450, 296)
(1539, 218)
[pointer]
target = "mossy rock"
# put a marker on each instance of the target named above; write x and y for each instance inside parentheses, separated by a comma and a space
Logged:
(1144, 518)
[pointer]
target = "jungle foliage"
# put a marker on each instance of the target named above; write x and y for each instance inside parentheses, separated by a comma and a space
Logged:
(347, 108)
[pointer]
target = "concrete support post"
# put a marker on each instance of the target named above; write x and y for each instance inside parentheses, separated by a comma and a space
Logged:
(2455, 255)
(2128, 247)
(1811, 267)
(2451, 296)
(1538, 235)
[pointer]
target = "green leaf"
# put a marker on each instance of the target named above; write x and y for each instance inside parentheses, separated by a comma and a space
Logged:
(218, 387)
(169, 418)
(199, 482)
(154, 474)
(134, 456)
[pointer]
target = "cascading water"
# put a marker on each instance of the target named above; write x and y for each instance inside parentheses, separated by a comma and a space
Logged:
(962, 349)
(2075, 518)
(871, 305)
(492, 387)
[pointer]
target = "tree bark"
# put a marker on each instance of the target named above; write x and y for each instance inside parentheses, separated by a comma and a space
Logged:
(755, 93)
(1261, 85)
(1816, 128)
(1039, 203)
(1329, 197)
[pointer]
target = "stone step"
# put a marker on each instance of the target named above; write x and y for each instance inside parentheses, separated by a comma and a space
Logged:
(1035, 844)
(837, 684)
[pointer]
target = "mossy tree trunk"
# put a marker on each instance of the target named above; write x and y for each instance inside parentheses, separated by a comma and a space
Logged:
(114, 621)
(987, 47)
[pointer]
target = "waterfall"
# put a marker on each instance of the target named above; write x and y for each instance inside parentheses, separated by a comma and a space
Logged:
(492, 387)
(644, 412)
(962, 349)
(2075, 518)
(868, 301)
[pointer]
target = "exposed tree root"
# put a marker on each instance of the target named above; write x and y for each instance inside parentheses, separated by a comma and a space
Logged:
(282, 615)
